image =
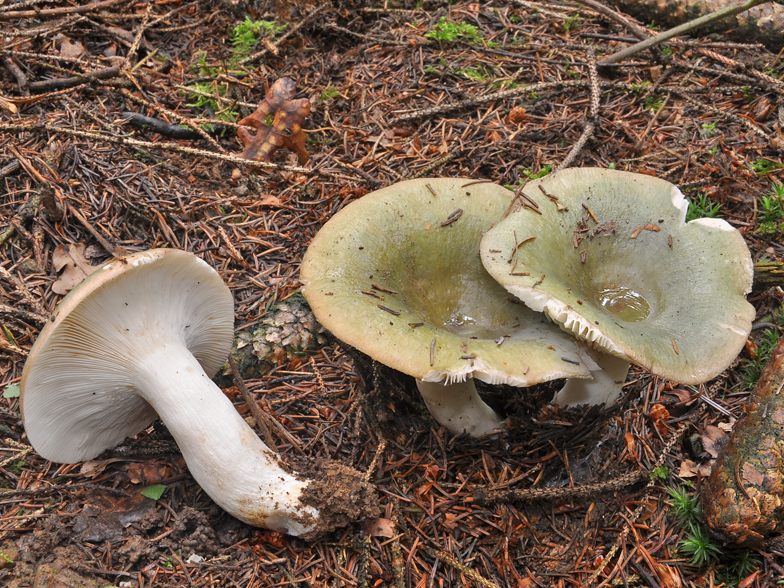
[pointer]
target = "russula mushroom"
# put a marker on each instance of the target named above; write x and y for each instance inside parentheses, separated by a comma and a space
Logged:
(141, 337)
(609, 257)
(397, 275)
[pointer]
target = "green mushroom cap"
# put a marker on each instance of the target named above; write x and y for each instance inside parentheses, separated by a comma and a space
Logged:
(608, 255)
(397, 275)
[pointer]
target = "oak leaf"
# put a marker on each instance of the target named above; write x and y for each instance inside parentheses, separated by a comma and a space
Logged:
(77, 268)
(277, 121)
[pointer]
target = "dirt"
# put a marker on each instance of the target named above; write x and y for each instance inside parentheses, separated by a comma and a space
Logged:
(340, 493)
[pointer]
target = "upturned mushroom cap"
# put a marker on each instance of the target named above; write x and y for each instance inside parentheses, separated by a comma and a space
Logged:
(397, 275)
(78, 394)
(622, 270)
(142, 336)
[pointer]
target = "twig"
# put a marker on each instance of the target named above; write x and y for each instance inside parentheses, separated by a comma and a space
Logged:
(679, 30)
(22, 314)
(488, 98)
(202, 133)
(98, 237)
(594, 114)
(259, 416)
(21, 78)
(283, 37)
(169, 147)
(530, 494)
(58, 11)
(156, 125)
(468, 572)
(630, 25)
(59, 83)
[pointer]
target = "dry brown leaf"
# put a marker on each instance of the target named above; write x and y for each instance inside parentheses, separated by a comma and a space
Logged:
(68, 48)
(95, 467)
(659, 416)
(690, 469)
(379, 528)
(77, 268)
(277, 121)
(148, 472)
(669, 576)
(713, 440)
(727, 426)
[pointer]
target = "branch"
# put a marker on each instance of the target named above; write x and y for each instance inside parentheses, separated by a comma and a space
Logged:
(679, 30)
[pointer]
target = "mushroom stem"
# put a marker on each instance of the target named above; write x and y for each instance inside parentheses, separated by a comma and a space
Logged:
(234, 467)
(608, 375)
(458, 407)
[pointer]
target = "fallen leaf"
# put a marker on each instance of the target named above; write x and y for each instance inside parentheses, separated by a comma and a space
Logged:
(95, 467)
(379, 528)
(669, 576)
(727, 426)
(659, 416)
(69, 48)
(681, 394)
(631, 445)
(148, 472)
(270, 201)
(749, 580)
(690, 469)
(713, 440)
(277, 121)
(12, 391)
(154, 492)
(77, 268)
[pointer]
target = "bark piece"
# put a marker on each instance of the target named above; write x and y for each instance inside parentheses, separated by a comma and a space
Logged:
(277, 121)
(743, 501)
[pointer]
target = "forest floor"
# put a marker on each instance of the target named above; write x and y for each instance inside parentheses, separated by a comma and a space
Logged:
(499, 91)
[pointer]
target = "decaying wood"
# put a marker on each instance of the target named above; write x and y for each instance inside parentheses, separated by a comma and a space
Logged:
(768, 274)
(743, 501)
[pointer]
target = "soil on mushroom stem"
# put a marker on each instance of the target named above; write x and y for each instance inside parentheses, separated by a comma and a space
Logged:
(340, 493)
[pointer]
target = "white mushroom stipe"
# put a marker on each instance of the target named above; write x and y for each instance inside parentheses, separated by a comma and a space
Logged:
(143, 335)
(228, 460)
(459, 408)
(608, 373)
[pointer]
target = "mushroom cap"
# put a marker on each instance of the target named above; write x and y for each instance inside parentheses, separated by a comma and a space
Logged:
(396, 248)
(78, 387)
(636, 281)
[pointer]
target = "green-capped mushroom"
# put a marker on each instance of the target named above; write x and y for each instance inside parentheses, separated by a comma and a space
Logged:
(397, 275)
(609, 257)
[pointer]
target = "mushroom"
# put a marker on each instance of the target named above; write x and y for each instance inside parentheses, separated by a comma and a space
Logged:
(397, 275)
(615, 264)
(141, 337)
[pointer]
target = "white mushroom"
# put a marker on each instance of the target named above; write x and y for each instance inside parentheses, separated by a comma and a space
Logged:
(612, 261)
(397, 275)
(142, 336)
